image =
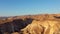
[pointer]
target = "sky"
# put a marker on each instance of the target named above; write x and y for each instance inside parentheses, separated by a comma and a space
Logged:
(28, 7)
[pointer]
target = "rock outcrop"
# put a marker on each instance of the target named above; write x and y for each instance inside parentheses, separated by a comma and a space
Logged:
(31, 24)
(42, 27)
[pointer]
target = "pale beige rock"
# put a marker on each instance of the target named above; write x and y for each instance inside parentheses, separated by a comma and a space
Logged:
(42, 27)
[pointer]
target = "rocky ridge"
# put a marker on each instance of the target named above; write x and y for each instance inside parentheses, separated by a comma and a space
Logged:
(31, 24)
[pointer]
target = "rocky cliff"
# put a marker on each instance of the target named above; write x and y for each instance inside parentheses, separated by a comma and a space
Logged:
(31, 24)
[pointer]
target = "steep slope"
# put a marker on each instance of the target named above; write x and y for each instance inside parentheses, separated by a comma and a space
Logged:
(31, 24)
(42, 27)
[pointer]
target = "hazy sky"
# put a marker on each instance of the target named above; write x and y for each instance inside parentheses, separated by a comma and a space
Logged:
(25, 7)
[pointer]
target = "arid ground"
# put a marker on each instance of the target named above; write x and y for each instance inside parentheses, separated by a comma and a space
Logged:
(31, 24)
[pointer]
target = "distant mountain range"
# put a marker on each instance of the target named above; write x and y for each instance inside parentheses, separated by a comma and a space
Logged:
(3, 18)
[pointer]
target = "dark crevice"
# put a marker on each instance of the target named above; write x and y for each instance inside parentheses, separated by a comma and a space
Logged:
(43, 29)
(58, 17)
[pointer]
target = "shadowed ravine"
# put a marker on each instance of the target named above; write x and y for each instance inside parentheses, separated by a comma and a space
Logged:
(14, 26)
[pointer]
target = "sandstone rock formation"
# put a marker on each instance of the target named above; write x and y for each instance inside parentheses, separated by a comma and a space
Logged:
(31, 24)
(42, 27)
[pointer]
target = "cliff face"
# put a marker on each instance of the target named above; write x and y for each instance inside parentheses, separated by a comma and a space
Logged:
(32, 24)
(14, 26)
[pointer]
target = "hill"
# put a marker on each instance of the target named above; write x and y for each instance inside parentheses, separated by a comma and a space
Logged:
(31, 24)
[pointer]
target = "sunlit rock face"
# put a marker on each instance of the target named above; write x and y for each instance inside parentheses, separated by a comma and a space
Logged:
(42, 27)
(33, 24)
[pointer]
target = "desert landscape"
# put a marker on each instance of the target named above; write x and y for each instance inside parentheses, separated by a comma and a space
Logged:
(31, 24)
(29, 16)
